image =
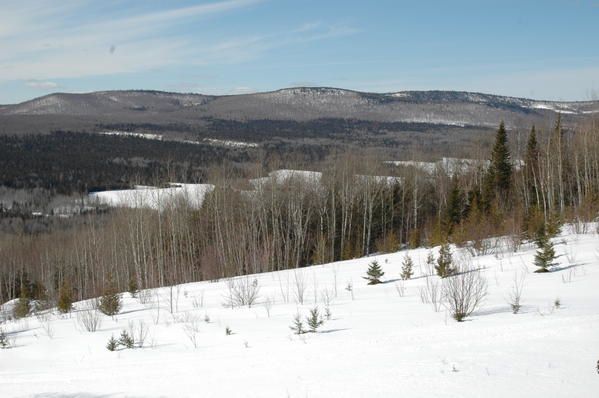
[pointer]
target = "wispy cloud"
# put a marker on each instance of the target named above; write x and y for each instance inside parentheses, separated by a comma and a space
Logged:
(42, 85)
(40, 41)
(43, 41)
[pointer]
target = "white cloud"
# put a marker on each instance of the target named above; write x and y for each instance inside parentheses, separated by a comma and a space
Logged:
(43, 85)
(40, 42)
(242, 90)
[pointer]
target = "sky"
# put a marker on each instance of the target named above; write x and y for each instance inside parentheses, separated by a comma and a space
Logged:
(538, 49)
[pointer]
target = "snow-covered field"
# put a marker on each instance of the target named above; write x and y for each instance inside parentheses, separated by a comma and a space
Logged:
(152, 197)
(376, 344)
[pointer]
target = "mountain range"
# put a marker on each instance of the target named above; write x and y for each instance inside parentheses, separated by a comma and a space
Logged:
(305, 103)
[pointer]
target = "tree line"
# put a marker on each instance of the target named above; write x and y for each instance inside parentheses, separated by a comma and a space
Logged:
(295, 222)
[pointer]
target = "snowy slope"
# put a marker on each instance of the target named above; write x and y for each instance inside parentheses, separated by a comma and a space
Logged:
(377, 344)
(152, 197)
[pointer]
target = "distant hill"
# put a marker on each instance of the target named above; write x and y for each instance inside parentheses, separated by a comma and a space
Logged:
(302, 104)
(310, 117)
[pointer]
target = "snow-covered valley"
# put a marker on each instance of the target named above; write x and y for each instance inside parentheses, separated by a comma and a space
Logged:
(380, 341)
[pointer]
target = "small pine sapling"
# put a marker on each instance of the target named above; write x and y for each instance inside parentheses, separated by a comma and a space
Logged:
(132, 286)
(407, 268)
(298, 325)
(314, 320)
(327, 313)
(430, 262)
(4, 343)
(374, 273)
(545, 256)
(21, 308)
(126, 340)
(112, 344)
(444, 266)
(65, 298)
(110, 302)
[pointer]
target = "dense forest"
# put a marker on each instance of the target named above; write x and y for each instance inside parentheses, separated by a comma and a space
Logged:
(68, 162)
(349, 212)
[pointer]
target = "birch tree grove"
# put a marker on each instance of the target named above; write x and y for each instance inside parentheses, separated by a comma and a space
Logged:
(356, 207)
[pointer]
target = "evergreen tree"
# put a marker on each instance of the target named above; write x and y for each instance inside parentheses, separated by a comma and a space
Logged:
(65, 298)
(430, 261)
(545, 256)
(497, 181)
(21, 308)
(501, 161)
(110, 302)
(126, 340)
(314, 320)
(455, 207)
(444, 266)
(407, 267)
(374, 273)
(531, 166)
(4, 342)
(298, 325)
(112, 344)
(132, 287)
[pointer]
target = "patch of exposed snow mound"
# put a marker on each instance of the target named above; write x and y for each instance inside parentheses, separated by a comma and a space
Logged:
(152, 197)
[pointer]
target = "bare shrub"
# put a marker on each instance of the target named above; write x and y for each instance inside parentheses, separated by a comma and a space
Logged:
(268, 305)
(299, 287)
(172, 298)
(45, 321)
(464, 292)
(139, 332)
(155, 303)
(580, 226)
(335, 272)
(568, 276)
(89, 318)
(191, 328)
(570, 253)
(284, 291)
(242, 291)
(515, 294)
(327, 298)
(432, 294)
(198, 302)
(144, 296)
(400, 289)
(350, 289)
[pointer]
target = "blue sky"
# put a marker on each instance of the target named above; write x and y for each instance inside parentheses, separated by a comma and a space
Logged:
(540, 49)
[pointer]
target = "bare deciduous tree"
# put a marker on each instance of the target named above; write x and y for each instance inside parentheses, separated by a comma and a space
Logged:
(515, 295)
(242, 291)
(464, 292)
(89, 318)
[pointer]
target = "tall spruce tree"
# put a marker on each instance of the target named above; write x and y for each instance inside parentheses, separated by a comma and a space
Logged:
(531, 167)
(498, 179)
(501, 161)
(455, 207)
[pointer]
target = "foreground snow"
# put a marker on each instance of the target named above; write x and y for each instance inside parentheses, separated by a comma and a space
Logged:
(377, 344)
